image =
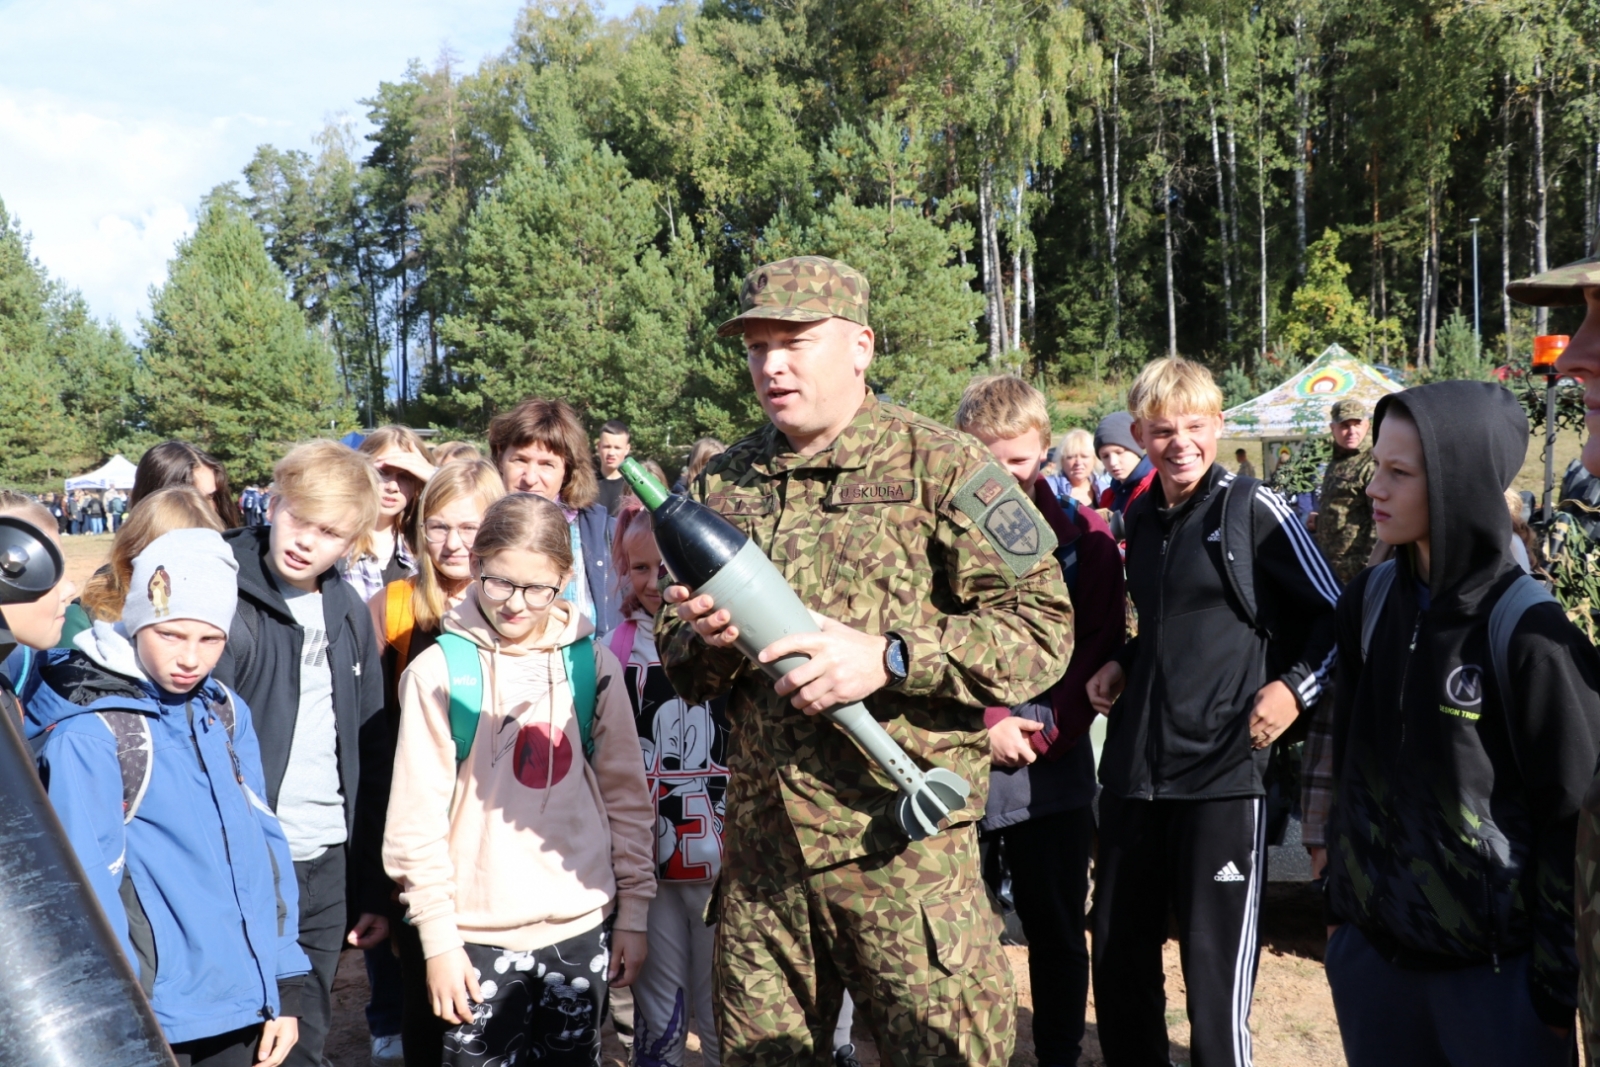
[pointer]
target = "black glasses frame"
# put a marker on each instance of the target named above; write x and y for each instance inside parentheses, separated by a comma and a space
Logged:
(525, 590)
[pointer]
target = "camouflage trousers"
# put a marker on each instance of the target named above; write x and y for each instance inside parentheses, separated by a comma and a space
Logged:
(911, 934)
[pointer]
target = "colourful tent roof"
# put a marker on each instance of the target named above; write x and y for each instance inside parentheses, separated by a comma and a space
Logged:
(1300, 406)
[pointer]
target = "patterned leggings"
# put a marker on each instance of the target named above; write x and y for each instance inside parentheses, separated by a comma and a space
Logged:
(542, 1006)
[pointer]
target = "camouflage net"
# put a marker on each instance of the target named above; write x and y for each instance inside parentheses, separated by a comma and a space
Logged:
(1302, 472)
(1572, 559)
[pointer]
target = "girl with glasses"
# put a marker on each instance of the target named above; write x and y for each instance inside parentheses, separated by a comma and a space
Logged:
(524, 856)
(406, 616)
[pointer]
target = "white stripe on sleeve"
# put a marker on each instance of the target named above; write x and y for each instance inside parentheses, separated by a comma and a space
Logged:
(1305, 549)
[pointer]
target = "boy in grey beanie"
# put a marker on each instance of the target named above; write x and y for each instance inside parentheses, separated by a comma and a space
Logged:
(155, 770)
(1124, 460)
(185, 574)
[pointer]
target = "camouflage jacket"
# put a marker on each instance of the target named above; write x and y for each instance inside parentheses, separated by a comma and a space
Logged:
(902, 526)
(1345, 531)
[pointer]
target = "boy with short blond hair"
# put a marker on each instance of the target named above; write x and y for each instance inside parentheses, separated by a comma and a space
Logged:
(1236, 639)
(303, 655)
(1042, 782)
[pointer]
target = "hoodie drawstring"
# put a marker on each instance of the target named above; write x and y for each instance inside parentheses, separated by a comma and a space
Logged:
(550, 729)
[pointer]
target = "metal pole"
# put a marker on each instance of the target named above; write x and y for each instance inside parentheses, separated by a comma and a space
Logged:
(1477, 322)
(1549, 442)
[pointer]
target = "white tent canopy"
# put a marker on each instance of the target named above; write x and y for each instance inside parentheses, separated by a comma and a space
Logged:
(116, 473)
(1299, 407)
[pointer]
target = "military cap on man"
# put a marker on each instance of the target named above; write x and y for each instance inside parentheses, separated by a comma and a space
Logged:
(1349, 408)
(800, 289)
(1560, 287)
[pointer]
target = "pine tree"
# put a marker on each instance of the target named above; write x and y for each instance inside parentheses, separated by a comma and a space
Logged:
(39, 328)
(570, 297)
(229, 362)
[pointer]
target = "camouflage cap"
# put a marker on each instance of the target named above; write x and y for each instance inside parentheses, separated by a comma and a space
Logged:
(1561, 287)
(1349, 408)
(801, 289)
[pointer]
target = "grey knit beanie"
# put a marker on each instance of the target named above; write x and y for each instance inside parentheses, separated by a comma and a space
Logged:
(185, 574)
(1116, 429)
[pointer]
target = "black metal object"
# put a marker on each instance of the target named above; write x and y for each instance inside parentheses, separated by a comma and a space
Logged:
(68, 996)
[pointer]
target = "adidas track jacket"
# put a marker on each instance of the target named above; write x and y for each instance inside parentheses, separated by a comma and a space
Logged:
(1181, 728)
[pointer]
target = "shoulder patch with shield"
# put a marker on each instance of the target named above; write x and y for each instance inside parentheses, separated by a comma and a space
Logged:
(996, 505)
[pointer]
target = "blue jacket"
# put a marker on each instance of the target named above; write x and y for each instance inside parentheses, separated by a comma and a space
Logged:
(199, 887)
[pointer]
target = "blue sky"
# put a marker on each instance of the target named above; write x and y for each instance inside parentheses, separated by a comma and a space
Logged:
(116, 116)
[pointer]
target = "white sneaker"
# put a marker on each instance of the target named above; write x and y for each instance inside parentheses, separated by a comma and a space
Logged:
(387, 1052)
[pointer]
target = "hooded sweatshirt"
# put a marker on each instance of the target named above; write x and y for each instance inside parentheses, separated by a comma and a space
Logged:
(524, 843)
(1451, 835)
(199, 887)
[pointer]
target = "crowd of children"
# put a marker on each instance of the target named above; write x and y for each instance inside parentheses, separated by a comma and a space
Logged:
(419, 710)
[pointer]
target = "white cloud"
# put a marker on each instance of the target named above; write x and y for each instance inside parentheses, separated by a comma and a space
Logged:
(117, 117)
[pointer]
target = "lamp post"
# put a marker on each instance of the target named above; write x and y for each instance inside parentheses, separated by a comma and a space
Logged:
(1477, 324)
(1546, 350)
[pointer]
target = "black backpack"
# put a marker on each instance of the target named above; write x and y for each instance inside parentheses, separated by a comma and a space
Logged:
(1238, 537)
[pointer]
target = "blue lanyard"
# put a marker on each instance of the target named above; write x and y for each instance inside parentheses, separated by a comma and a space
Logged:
(570, 593)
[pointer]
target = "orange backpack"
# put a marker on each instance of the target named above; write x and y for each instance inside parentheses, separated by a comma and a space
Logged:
(398, 618)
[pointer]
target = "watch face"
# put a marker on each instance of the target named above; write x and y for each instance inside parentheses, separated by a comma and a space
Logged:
(897, 657)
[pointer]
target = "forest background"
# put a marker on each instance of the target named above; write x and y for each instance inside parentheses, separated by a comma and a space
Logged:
(1064, 189)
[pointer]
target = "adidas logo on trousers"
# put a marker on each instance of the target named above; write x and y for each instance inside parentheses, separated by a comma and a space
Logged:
(1229, 873)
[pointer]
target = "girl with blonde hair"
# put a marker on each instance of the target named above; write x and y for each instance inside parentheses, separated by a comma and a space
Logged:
(406, 616)
(383, 553)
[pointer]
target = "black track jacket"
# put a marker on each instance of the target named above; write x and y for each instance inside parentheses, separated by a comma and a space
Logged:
(1182, 727)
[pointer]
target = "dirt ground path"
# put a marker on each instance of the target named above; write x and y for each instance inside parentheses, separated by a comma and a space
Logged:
(1292, 1021)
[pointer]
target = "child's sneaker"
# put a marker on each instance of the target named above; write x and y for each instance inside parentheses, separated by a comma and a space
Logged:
(387, 1051)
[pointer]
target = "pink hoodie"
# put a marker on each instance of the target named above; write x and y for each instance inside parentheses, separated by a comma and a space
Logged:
(526, 843)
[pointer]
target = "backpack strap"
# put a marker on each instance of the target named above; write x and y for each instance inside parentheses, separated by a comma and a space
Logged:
(622, 640)
(135, 755)
(1238, 536)
(1373, 596)
(1525, 593)
(1067, 554)
(398, 618)
(578, 659)
(466, 690)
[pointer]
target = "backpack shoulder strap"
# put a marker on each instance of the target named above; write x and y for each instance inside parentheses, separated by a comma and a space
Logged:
(1379, 582)
(466, 690)
(1239, 541)
(578, 659)
(135, 749)
(622, 640)
(398, 618)
(1525, 593)
(225, 710)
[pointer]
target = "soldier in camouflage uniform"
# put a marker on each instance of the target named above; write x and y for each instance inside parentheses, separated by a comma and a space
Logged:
(1575, 285)
(943, 597)
(1342, 523)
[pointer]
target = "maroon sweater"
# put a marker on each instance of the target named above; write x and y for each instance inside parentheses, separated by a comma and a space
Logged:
(1098, 630)
(1099, 622)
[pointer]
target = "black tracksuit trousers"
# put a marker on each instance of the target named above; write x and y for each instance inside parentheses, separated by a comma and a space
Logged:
(1204, 861)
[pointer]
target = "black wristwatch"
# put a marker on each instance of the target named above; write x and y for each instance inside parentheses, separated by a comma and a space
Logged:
(894, 659)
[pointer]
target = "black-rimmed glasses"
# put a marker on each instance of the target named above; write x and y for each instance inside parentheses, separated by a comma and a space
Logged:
(500, 590)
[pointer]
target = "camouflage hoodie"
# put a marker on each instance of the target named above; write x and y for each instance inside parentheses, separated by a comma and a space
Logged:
(1455, 809)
